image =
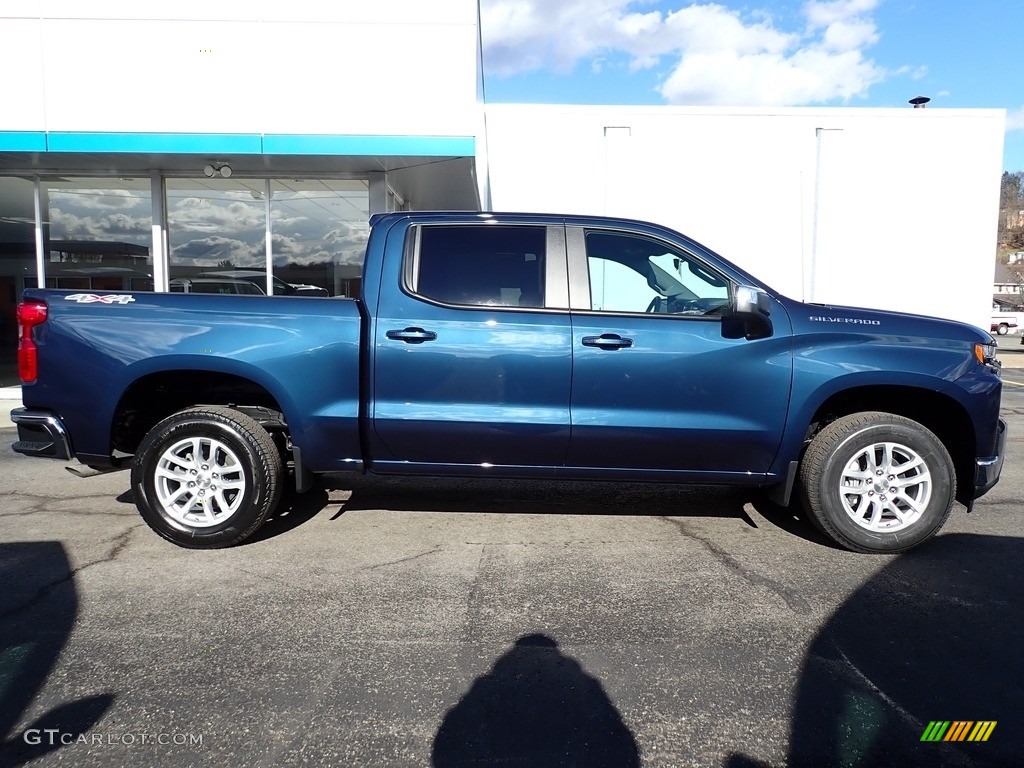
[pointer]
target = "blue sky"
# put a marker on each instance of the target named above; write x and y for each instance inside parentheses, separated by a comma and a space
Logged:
(871, 53)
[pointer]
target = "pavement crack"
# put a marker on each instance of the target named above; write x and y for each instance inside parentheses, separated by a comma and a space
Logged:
(852, 675)
(404, 559)
(20, 514)
(795, 602)
(475, 600)
(912, 721)
(119, 543)
(49, 499)
(72, 512)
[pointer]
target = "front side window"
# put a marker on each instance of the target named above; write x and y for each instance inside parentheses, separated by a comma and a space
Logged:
(630, 273)
(481, 265)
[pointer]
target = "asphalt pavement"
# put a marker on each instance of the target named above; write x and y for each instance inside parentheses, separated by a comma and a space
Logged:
(465, 623)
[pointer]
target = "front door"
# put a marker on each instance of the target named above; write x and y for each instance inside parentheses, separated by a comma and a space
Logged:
(656, 384)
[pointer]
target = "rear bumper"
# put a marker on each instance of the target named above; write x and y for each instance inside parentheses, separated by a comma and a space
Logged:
(987, 469)
(40, 433)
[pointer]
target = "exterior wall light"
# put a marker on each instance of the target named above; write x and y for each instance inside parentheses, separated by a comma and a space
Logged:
(217, 169)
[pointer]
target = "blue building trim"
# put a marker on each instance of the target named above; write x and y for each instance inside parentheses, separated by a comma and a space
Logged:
(417, 146)
(237, 144)
(22, 141)
(156, 143)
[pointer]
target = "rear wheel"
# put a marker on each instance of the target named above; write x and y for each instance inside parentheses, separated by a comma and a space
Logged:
(207, 477)
(876, 482)
(1003, 329)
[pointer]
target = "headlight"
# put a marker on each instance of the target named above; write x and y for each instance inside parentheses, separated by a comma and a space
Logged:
(985, 353)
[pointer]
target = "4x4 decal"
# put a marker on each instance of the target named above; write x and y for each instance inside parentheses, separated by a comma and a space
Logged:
(92, 298)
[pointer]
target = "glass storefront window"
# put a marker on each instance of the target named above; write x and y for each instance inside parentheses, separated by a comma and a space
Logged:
(97, 233)
(217, 231)
(320, 227)
(215, 225)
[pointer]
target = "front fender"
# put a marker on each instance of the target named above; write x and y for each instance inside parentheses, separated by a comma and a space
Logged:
(834, 364)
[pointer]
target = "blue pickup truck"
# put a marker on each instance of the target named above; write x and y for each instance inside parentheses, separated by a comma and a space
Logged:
(516, 345)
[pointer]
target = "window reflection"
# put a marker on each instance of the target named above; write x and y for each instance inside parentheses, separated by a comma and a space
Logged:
(215, 225)
(217, 229)
(320, 229)
(97, 233)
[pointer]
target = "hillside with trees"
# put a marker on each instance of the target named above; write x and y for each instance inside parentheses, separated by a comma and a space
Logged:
(1011, 212)
(1010, 245)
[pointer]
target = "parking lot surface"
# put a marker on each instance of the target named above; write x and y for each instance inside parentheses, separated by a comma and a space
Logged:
(461, 623)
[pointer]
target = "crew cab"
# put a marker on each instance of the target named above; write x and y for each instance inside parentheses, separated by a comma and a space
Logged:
(516, 345)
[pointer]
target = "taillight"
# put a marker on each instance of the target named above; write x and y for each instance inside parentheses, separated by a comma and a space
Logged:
(30, 314)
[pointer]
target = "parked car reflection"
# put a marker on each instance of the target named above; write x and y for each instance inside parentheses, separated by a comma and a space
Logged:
(281, 288)
(214, 285)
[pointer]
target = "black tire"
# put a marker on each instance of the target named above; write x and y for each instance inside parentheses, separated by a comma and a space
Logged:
(1003, 329)
(233, 450)
(864, 515)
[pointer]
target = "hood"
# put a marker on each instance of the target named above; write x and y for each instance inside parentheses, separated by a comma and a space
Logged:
(835, 317)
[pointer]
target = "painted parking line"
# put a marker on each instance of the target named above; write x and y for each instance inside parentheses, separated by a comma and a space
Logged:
(1013, 383)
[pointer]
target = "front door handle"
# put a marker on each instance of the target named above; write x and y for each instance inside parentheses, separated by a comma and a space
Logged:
(607, 341)
(412, 335)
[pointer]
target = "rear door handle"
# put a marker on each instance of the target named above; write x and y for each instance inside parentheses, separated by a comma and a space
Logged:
(412, 335)
(607, 341)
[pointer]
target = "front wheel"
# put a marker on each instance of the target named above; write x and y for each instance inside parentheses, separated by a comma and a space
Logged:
(877, 482)
(207, 477)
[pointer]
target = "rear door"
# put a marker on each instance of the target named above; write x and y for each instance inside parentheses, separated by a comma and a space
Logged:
(472, 352)
(657, 385)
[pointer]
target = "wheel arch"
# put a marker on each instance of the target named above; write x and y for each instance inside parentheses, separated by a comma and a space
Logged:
(941, 414)
(154, 396)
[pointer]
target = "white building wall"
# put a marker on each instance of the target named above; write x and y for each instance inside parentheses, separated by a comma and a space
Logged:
(390, 67)
(885, 208)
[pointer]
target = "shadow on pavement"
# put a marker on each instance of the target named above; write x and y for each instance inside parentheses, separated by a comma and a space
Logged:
(793, 520)
(38, 604)
(568, 497)
(934, 636)
(429, 494)
(535, 708)
(294, 510)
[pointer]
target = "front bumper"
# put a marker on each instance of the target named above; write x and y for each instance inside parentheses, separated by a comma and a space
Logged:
(40, 433)
(987, 469)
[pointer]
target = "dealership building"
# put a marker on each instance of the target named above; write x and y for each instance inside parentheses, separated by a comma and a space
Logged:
(145, 143)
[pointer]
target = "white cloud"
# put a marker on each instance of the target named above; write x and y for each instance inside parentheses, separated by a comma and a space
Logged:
(84, 199)
(1015, 119)
(714, 54)
(191, 215)
(67, 225)
(822, 14)
(209, 251)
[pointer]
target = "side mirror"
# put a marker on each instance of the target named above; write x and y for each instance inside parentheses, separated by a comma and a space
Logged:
(749, 314)
(747, 300)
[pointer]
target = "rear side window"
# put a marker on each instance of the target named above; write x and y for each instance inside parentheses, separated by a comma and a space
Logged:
(481, 265)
